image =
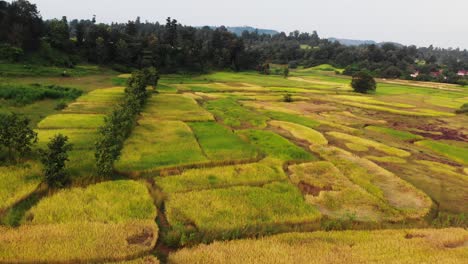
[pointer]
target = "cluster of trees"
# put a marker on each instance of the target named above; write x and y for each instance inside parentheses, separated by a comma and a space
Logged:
(17, 136)
(173, 47)
(119, 124)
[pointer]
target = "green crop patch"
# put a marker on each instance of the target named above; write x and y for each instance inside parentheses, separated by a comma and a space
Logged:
(83, 121)
(403, 135)
(382, 246)
(234, 114)
(456, 153)
(230, 212)
(107, 202)
(276, 146)
(175, 107)
(18, 182)
(219, 143)
(159, 144)
(263, 172)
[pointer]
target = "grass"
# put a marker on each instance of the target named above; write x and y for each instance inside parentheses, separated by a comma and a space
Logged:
(383, 246)
(402, 135)
(255, 174)
(275, 146)
(237, 211)
(107, 202)
(21, 70)
(219, 143)
(234, 114)
(370, 100)
(158, 144)
(77, 242)
(18, 182)
(301, 132)
(370, 143)
(175, 107)
(83, 121)
(456, 153)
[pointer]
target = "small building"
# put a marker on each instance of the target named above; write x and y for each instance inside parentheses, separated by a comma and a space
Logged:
(415, 74)
(462, 73)
(436, 74)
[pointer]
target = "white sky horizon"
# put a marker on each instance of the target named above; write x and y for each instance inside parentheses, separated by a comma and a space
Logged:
(415, 22)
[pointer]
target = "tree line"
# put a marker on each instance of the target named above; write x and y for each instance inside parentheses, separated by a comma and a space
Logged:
(173, 47)
(119, 124)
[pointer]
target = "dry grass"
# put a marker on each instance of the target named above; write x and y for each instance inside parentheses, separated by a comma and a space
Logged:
(387, 246)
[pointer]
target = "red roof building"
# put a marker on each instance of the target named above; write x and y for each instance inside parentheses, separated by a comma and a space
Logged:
(462, 73)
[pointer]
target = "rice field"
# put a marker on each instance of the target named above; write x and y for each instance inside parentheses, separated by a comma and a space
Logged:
(220, 143)
(161, 107)
(146, 149)
(107, 202)
(220, 156)
(18, 182)
(276, 146)
(238, 211)
(387, 246)
(255, 174)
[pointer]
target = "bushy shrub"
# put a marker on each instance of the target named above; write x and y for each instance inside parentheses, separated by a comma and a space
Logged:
(27, 94)
(363, 82)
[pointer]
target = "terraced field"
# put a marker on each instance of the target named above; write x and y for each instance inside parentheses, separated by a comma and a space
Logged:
(221, 157)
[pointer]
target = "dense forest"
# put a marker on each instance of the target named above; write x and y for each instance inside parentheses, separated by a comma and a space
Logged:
(173, 47)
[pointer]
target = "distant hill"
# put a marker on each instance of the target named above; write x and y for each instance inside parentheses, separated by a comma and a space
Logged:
(238, 30)
(357, 42)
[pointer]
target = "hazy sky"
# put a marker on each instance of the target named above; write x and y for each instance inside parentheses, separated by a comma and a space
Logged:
(443, 23)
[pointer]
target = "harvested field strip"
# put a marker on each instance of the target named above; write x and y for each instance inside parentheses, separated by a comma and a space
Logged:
(175, 107)
(370, 100)
(260, 173)
(144, 260)
(420, 112)
(403, 135)
(409, 201)
(301, 132)
(370, 143)
(220, 143)
(239, 211)
(442, 246)
(83, 121)
(107, 202)
(18, 182)
(276, 146)
(458, 154)
(387, 159)
(58, 243)
(147, 147)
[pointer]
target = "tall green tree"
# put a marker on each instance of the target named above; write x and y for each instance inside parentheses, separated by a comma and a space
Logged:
(54, 159)
(16, 135)
(363, 82)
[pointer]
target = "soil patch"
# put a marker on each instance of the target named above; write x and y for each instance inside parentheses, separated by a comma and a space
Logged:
(143, 238)
(311, 189)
